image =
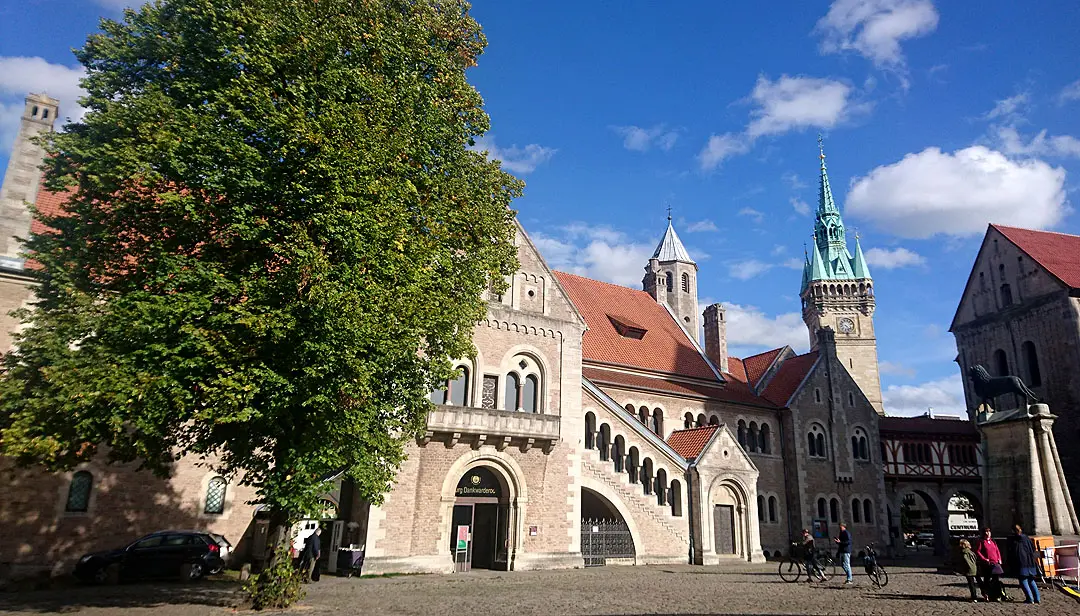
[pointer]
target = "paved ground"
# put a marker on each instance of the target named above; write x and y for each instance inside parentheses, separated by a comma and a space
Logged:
(749, 589)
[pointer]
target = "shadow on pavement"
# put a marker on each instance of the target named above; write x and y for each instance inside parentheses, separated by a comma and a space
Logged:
(220, 593)
(914, 597)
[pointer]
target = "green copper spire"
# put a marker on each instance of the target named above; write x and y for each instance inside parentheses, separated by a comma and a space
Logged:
(830, 259)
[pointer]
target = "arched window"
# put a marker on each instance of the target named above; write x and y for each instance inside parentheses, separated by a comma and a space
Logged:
(868, 511)
(618, 453)
(459, 388)
(513, 390)
(834, 510)
(742, 433)
(815, 441)
(714, 420)
(669, 281)
(686, 283)
(772, 508)
(760, 508)
(752, 437)
(821, 508)
(529, 400)
(856, 511)
(632, 464)
(850, 398)
(590, 430)
(676, 498)
(647, 475)
(78, 498)
(817, 395)
(34, 112)
(688, 421)
(630, 409)
(765, 439)
(1034, 375)
(701, 419)
(44, 114)
(860, 449)
(603, 439)
(1006, 295)
(658, 422)
(215, 496)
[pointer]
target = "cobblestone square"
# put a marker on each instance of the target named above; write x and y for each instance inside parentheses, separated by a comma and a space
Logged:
(742, 589)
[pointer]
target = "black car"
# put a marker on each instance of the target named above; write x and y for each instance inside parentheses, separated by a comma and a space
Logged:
(172, 553)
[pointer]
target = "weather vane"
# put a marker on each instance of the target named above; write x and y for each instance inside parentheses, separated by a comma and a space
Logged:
(821, 146)
(669, 213)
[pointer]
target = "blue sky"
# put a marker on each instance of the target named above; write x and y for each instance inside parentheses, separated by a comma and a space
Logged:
(937, 117)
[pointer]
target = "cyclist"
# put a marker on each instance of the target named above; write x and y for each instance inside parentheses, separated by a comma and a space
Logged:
(809, 556)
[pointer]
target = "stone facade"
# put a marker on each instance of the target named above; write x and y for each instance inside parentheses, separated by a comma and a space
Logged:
(23, 176)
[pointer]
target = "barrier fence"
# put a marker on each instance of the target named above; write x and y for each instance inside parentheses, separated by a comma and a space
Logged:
(1061, 565)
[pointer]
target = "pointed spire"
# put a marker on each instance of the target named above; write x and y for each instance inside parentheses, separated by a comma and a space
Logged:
(817, 265)
(671, 247)
(826, 205)
(858, 266)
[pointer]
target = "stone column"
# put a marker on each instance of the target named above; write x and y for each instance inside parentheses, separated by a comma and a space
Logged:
(1073, 526)
(941, 531)
(1042, 423)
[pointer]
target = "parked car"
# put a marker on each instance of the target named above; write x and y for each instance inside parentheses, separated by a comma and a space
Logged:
(190, 554)
(926, 539)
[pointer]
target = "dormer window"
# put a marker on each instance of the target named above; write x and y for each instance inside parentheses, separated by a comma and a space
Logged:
(627, 328)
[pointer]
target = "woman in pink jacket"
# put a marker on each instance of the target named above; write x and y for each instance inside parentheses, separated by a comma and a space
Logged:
(989, 556)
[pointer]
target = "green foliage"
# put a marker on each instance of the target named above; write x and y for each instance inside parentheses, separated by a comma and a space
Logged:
(278, 586)
(279, 237)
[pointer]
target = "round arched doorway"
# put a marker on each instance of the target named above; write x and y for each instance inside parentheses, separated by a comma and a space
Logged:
(478, 532)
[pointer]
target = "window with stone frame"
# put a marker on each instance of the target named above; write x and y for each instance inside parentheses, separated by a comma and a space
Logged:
(524, 386)
(816, 443)
(215, 496)
(860, 445)
(78, 497)
(454, 392)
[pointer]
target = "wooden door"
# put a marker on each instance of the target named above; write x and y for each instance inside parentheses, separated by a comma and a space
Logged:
(724, 529)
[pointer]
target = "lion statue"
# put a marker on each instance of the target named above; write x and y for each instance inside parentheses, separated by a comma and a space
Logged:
(988, 388)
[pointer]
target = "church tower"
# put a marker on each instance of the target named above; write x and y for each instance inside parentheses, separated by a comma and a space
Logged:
(671, 278)
(22, 177)
(838, 292)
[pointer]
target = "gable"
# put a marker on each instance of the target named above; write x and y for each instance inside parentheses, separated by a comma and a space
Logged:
(791, 375)
(1001, 261)
(724, 442)
(534, 288)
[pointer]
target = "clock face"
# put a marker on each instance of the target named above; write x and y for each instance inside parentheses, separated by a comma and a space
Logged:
(846, 325)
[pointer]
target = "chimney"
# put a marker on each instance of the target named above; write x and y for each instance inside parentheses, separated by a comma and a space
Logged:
(826, 342)
(716, 336)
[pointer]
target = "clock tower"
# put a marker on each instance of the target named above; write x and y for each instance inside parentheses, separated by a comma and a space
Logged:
(838, 293)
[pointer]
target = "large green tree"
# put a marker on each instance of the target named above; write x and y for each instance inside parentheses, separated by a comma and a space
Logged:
(277, 237)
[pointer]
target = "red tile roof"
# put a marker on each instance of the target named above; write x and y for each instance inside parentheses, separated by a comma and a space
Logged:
(1059, 253)
(689, 443)
(733, 391)
(756, 365)
(927, 427)
(737, 369)
(664, 347)
(788, 377)
(49, 204)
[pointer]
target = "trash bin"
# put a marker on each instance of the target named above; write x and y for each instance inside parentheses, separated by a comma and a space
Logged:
(350, 561)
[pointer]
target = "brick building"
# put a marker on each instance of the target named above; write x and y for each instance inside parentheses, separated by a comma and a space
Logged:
(589, 409)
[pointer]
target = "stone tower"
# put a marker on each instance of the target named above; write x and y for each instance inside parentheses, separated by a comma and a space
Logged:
(838, 292)
(22, 177)
(716, 335)
(671, 278)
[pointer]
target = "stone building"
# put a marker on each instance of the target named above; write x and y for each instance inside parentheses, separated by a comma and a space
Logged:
(589, 409)
(1019, 315)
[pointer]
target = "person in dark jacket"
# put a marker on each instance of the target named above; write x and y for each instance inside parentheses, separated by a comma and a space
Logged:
(843, 547)
(969, 568)
(312, 552)
(809, 554)
(1024, 565)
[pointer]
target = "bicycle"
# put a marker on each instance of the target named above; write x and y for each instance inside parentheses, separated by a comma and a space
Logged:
(877, 574)
(792, 568)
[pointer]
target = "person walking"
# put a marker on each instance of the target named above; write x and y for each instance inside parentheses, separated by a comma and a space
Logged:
(969, 568)
(989, 556)
(1023, 564)
(312, 552)
(809, 556)
(843, 548)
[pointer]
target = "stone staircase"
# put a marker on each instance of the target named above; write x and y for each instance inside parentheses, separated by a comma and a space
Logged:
(641, 505)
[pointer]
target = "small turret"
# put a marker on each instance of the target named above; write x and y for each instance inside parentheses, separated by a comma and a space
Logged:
(671, 279)
(23, 177)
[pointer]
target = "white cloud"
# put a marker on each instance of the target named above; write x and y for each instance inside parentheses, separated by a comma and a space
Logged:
(793, 180)
(748, 268)
(702, 226)
(875, 28)
(1070, 92)
(21, 75)
(1059, 146)
(943, 395)
(793, 103)
(800, 206)
(720, 147)
(794, 263)
(888, 367)
(641, 139)
(778, 250)
(892, 259)
(1010, 108)
(598, 252)
(752, 214)
(959, 193)
(751, 330)
(518, 160)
